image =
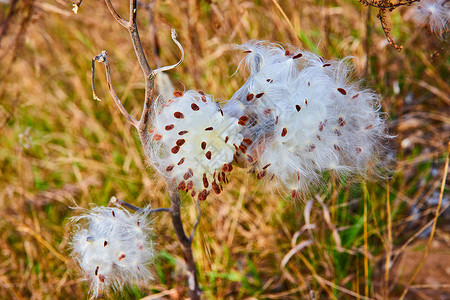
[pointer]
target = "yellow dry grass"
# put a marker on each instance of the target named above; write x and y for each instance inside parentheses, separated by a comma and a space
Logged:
(59, 148)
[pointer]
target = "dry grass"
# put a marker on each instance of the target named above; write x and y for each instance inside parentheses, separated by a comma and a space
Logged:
(60, 147)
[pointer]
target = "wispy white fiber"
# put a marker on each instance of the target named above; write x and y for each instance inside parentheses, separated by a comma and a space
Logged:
(194, 141)
(306, 116)
(433, 13)
(113, 248)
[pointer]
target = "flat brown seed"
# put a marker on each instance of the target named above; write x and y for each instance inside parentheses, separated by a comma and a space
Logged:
(205, 181)
(180, 142)
(208, 155)
(369, 127)
(337, 147)
(250, 97)
(259, 95)
(341, 121)
(216, 188)
(250, 159)
(298, 107)
(225, 168)
(122, 256)
(311, 148)
(342, 91)
(203, 145)
(157, 137)
(226, 139)
(248, 51)
(169, 127)
(182, 186)
(266, 166)
(209, 129)
(287, 53)
(243, 148)
(96, 271)
(248, 141)
(175, 149)
(294, 194)
(201, 93)
(194, 107)
(230, 167)
(358, 150)
(261, 174)
(297, 56)
(178, 94)
(181, 161)
(190, 185)
(183, 132)
(284, 132)
(326, 65)
(356, 96)
(337, 132)
(105, 243)
(101, 278)
(170, 168)
(178, 115)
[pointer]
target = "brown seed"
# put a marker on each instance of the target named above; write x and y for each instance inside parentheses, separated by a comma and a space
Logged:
(183, 132)
(96, 271)
(230, 167)
(309, 83)
(203, 195)
(194, 107)
(337, 147)
(226, 139)
(248, 141)
(356, 96)
(101, 278)
(225, 168)
(342, 91)
(122, 256)
(175, 149)
(178, 94)
(266, 166)
(358, 150)
(170, 168)
(243, 148)
(105, 243)
(209, 129)
(294, 194)
(180, 142)
(261, 174)
(369, 127)
(113, 214)
(318, 137)
(204, 99)
(157, 137)
(221, 112)
(311, 148)
(326, 65)
(269, 80)
(203, 145)
(271, 178)
(248, 51)
(276, 120)
(205, 181)
(243, 119)
(306, 101)
(284, 132)
(267, 111)
(297, 56)
(298, 175)
(181, 161)
(178, 115)
(298, 107)
(321, 125)
(216, 188)
(259, 95)
(193, 194)
(337, 132)
(250, 97)
(208, 155)
(201, 93)
(341, 121)
(189, 185)
(169, 127)
(287, 53)
(250, 159)
(182, 186)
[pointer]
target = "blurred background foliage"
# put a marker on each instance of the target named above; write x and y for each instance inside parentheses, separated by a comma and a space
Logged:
(60, 149)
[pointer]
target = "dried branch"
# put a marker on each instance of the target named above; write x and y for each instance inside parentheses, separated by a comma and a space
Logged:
(196, 221)
(118, 202)
(103, 58)
(383, 6)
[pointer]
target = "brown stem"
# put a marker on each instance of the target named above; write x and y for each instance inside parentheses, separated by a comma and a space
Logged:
(194, 289)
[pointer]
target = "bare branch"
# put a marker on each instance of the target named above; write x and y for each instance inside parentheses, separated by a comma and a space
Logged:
(102, 57)
(196, 221)
(174, 36)
(118, 202)
(116, 16)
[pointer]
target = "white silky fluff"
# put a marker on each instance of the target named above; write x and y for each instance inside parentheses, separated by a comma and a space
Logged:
(305, 117)
(434, 13)
(113, 248)
(193, 141)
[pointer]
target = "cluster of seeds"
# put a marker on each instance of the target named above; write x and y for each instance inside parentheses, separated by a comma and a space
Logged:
(113, 248)
(194, 141)
(305, 117)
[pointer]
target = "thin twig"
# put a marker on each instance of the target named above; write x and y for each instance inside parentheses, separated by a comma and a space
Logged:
(174, 36)
(103, 58)
(196, 221)
(119, 202)
(114, 13)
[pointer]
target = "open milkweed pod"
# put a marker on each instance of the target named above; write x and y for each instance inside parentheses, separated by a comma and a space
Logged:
(193, 142)
(306, 117)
